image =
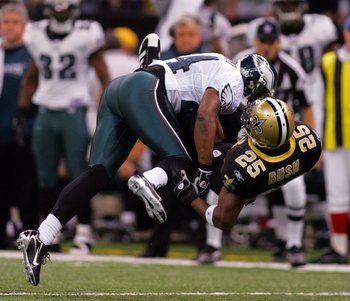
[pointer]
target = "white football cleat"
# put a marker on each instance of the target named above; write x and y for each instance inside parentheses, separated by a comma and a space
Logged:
(149, 50)
(140, 186)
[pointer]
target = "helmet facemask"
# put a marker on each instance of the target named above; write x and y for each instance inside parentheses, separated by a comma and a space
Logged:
(62, 14)
(259, 77)
(290, 15)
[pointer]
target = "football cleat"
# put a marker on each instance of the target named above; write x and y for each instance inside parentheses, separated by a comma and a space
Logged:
(208, 255)
(279, 251)
(34, 254)
(140, 186)
(80, 248)
(83, 240)
(295, 256)
(330, 256)
(149, 50)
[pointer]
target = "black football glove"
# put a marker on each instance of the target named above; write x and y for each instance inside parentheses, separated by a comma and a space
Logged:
(202, 178)
(183, 188)
(20, 128)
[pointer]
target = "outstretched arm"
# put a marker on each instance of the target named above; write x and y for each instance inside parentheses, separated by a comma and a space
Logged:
(225, 213)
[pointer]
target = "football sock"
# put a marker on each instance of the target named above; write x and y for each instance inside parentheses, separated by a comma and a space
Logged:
(339, 238)
(294, 233)
(295, 225)
(49, 228)
(280, 222)
(339, 243)
(157, 176)
(83, 233)
(214, 235)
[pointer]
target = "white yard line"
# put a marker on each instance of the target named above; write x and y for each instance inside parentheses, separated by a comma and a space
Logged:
(320, 294)
(182, 262)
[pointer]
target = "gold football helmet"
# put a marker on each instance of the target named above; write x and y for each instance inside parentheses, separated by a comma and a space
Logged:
(269, 122)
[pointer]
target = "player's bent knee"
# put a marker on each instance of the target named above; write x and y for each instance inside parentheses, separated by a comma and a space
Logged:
(224, 222)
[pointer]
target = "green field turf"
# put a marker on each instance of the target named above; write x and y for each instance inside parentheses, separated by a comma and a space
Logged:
(92, 280)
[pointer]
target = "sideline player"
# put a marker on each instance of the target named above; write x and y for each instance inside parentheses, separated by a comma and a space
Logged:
(62, 48)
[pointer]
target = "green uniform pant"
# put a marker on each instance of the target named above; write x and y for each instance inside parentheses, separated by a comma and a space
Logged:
(135, 107)
(59, 134)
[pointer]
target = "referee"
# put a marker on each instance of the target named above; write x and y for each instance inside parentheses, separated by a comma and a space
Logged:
(288, 203)
(336, 146)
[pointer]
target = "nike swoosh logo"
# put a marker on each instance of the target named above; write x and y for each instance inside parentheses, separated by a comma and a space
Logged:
(35, 263)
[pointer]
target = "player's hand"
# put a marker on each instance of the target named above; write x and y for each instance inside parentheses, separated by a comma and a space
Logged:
(183, 188)
(20, 129)
(202, 178)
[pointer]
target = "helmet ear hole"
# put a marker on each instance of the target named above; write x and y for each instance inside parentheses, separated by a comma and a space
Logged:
(269, 122)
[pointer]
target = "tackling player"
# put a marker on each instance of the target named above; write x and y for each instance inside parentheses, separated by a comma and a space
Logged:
(143, 105)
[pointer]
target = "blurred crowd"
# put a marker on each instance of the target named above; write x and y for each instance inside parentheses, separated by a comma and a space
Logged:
(44, 142)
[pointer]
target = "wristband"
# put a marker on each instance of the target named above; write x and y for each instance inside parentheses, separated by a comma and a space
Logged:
(208, 169)
(209, 214)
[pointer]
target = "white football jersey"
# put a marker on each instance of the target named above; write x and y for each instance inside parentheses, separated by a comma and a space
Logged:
(187, 77)
(63, 64)
(307, 48)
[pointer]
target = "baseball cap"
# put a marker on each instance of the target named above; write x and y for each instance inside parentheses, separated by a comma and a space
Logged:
(268, 31)
(347, 23)
(126, 37)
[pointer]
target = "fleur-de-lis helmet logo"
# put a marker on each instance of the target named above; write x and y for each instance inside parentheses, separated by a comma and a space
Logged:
(256, 124)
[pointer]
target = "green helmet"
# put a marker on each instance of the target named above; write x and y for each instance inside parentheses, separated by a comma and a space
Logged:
(259, 77)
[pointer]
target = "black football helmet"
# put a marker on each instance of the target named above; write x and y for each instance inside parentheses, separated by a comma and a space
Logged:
(290, 14)
(259, 77)
(61, 14)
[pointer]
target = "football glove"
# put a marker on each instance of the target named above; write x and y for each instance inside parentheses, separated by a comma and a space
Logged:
(202, 178)
(183, 188)
(20, 129)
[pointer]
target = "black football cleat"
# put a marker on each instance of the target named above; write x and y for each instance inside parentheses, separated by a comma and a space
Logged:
(208, 255)
(329, 257)
(34, 254)
(140, 186)
(279, 251)
(295, 256)
(149, 50)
